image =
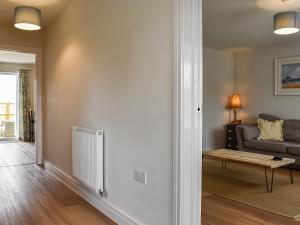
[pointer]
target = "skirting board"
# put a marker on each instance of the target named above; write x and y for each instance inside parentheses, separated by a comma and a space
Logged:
(103, 206)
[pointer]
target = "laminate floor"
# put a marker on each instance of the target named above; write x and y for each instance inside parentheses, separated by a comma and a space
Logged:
(29, 148)
(30, 196)
(220, 211)
(16, 153)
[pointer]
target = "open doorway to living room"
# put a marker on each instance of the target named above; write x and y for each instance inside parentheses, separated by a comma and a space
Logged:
(251, 120)
(17, 107)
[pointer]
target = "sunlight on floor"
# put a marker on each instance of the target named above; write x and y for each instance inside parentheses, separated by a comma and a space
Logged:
(16, 153)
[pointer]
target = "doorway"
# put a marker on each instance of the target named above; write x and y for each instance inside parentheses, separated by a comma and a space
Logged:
(17, 108)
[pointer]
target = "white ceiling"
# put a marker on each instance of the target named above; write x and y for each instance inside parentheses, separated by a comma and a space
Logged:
(243, 24)
(16, 57)
(50, 9)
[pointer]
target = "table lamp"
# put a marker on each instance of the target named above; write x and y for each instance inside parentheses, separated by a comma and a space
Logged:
(235, 103)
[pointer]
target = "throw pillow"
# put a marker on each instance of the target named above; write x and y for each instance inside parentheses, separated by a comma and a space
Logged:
(270, 130)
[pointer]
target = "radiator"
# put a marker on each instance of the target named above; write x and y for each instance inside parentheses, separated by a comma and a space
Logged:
(88, 157)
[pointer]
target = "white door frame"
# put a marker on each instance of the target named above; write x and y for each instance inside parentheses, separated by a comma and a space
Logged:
(38, 95)
(188, 112)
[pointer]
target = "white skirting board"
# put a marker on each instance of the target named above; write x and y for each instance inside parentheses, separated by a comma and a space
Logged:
(103, 206)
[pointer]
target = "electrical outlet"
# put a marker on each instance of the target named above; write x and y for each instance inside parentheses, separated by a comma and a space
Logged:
(140, 176)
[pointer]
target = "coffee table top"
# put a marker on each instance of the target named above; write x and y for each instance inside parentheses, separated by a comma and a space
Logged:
(248, 157)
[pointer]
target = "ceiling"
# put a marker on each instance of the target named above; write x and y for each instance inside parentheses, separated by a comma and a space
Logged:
(16, 57)
(243, 24)
(50, 9)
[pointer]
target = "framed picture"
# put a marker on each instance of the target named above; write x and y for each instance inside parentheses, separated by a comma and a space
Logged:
(287, 76)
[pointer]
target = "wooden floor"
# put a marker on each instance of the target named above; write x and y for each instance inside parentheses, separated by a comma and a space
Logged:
(16, 153)
(221, 211)
(30, 196)
(29, 148)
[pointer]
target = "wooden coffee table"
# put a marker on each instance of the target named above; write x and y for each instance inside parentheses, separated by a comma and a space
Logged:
(265, 161)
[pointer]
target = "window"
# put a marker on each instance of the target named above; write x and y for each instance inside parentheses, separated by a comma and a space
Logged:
(8, 106)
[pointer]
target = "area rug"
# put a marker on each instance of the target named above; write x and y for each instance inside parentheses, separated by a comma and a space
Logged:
(246, 184)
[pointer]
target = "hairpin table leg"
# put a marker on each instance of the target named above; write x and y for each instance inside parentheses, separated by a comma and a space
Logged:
(224, 164)
(291, 175)
(269, 186)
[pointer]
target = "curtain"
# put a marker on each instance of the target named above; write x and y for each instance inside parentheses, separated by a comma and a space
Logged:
(24, 106)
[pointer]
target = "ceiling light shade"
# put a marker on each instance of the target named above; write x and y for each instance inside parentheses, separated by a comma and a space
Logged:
(286, 23)
(28, 18)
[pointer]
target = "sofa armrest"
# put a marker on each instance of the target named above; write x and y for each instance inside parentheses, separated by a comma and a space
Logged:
(240, 137)
(246, 133)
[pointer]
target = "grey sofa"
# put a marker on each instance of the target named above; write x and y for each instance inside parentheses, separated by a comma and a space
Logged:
(247, 140)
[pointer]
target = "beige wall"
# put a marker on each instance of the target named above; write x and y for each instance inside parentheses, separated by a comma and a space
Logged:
(218, 85)
(15, 37)
(254, 80)
(108, 65)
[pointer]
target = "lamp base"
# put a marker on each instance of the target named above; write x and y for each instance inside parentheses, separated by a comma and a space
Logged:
(236, 122)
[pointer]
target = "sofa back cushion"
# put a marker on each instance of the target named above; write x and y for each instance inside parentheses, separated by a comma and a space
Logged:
(268, 117)
(291, 130)
(250, 132)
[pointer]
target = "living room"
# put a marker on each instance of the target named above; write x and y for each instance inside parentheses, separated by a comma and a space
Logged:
(251, 71)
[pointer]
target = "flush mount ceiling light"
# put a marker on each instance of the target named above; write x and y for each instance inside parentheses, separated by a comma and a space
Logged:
(28, 18)
(286, 22)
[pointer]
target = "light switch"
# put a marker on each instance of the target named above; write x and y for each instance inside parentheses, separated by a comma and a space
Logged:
(140, 176)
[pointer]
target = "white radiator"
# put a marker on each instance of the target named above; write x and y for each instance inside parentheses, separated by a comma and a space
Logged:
(88, 157)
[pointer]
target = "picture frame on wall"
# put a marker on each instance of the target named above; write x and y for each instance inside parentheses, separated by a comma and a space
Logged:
(287, 76)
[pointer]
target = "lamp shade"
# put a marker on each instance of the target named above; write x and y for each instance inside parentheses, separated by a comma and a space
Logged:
(286, 23)
(28, 18)
(235, 102)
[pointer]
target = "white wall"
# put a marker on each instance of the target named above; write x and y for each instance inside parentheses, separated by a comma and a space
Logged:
(254, 80)
(251, 74)
(218, 86)
(108, 65)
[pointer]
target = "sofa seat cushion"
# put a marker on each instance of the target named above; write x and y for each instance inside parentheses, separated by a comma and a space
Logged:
(270, 146)
(293, 149)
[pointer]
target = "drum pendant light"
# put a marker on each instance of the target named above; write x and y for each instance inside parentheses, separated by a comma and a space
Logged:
(28, 18)
(286, 22)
